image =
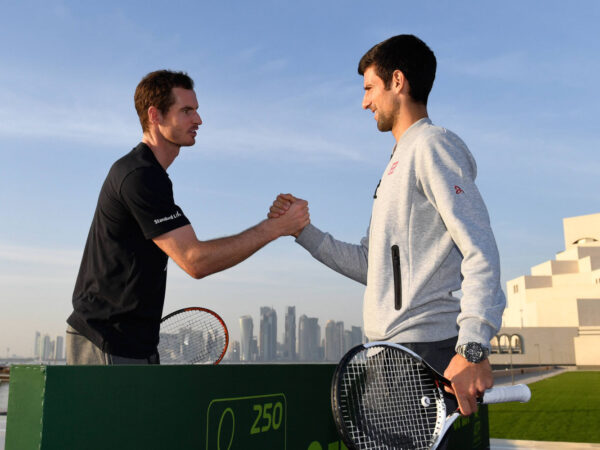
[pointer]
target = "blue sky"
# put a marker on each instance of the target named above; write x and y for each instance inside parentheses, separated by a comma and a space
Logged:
(280, 99)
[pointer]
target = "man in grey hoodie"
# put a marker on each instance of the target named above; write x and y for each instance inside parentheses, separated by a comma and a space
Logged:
(429, 234)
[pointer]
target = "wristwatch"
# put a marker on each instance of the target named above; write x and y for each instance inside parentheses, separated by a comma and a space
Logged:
(473, 352)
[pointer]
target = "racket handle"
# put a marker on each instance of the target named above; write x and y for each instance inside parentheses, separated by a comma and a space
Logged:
(517, 393)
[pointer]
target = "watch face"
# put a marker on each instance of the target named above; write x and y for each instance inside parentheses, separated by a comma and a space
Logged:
(473, 352)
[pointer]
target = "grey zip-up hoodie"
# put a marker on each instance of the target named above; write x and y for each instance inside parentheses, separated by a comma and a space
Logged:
(429, 236)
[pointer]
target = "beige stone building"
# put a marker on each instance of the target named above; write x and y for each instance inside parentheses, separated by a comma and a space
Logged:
(553, 315)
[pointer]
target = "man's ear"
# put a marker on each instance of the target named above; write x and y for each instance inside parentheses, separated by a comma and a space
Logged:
(154, 115)
(399, 82)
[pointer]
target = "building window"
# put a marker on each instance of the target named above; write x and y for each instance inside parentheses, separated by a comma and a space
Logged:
(504, 343)
(516, 343)
(494, 345)
(515, 288)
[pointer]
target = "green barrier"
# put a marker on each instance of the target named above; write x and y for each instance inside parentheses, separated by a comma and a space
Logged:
(262, 407)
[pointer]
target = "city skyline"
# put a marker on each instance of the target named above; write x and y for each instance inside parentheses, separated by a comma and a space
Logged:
(280, 100)
(46, 348)
(311, 344)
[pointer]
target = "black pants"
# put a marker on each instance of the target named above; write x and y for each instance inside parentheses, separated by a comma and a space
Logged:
(438, 355)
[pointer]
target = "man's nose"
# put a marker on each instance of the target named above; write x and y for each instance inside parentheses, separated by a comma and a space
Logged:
(366, 102)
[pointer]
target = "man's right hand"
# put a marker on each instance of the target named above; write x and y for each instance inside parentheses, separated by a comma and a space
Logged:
(284, 205)
(469, 381)
(202, 258)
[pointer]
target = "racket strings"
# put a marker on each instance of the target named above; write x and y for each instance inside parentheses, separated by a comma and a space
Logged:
(191, 337)
(389, 401)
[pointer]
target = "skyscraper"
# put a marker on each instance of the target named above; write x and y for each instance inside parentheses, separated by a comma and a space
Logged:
(352, 338)
(233, 353)
(247, 328)
(289, 341)
(37, 345)
(309, 336)
(59, 347)
(47, 348)
(253, 349)
(347, 340)
(357, 336)
(339, 331)
(268, 334)
(334, 340)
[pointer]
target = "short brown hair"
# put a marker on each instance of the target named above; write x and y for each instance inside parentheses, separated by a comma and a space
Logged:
(155, 89)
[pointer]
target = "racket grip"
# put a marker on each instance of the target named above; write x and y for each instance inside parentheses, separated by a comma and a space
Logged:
(517, 393)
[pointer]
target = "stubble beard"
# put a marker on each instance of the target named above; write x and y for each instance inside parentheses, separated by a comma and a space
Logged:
(384, 123)
(182, 139)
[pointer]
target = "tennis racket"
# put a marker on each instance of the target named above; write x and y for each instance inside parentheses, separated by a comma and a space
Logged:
(384, 396)
(192, 336)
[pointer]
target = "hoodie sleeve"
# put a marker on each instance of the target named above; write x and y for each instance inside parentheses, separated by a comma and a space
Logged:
(348, 259)
(446, 174)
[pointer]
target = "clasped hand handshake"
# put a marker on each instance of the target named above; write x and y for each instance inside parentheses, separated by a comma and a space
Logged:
(290, 213)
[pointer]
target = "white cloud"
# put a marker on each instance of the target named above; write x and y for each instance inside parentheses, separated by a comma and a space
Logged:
(37, 255)
(282, 131)
(274, 142)
(530, 67)
(38, 119)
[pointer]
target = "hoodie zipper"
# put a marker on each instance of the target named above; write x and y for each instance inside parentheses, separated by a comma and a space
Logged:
(397, 277)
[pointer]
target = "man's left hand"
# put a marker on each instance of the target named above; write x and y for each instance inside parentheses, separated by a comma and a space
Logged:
(469, 381)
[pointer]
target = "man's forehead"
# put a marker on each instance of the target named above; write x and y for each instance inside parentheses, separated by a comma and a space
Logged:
(370, 75)
(184, 96)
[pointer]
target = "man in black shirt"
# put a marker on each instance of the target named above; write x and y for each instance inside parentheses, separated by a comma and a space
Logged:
(120, 289)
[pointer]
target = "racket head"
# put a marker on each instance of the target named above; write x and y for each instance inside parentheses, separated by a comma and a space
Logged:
(384, 396)
(192, 335)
